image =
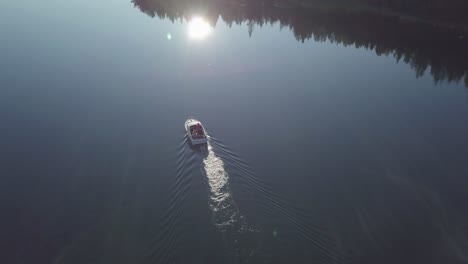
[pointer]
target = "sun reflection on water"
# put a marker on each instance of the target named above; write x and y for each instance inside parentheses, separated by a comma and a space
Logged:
(199, 28)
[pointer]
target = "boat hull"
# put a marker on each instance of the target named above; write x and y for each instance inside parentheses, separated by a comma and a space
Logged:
(195, 141)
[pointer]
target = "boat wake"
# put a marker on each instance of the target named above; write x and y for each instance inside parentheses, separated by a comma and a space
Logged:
(226, 215)
(244, 243)
(238, 235)
(273, 204)
(165, 242)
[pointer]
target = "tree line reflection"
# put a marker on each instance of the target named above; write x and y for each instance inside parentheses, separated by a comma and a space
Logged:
(441, 50)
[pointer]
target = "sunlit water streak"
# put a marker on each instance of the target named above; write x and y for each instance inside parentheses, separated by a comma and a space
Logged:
(225, 212)
(226, 216)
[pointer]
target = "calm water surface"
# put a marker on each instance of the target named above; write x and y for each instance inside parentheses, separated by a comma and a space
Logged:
(327, 145)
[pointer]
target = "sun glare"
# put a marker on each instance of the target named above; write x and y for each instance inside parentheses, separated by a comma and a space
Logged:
(199, 28)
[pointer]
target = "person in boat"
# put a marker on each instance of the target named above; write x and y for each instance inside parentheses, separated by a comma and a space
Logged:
(199, 129)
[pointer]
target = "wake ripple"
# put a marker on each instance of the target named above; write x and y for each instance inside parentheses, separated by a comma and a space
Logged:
(240, 238)
(274, 203)
(167, 236)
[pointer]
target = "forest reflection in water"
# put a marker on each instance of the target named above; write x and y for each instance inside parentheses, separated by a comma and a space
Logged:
(442, 51)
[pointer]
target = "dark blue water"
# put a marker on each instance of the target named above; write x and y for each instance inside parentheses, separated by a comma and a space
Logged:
(328, 145)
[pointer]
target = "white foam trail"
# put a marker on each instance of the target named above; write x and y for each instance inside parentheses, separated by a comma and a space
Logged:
(226, 216)
(225, 213)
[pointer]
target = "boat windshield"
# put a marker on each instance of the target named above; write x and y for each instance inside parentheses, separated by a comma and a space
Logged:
(197, 131)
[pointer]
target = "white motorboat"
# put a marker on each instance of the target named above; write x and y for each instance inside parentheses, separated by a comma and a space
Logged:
(195, 132)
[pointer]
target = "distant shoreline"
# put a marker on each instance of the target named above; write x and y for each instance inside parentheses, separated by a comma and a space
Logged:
(431, 45)
(374, 10)
(365, 6)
